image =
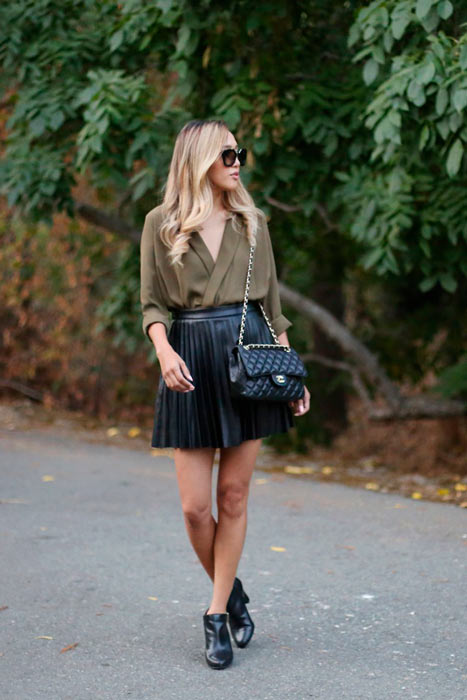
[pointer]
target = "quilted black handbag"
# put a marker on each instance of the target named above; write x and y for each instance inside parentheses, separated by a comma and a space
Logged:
(264, 371)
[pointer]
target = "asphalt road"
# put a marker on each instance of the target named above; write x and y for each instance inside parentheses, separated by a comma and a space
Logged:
(365, 597)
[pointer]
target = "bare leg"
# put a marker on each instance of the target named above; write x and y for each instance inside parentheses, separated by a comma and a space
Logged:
(194, 475)
(236, 466)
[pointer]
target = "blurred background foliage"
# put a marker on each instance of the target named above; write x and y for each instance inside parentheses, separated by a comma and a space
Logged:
(354, 115)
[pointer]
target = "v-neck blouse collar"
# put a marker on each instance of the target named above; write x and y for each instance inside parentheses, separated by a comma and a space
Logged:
(218, 268)
(198, 244)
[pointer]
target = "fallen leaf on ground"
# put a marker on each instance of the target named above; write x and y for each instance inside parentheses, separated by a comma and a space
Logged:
(278, 549)
(48, 477)
(13, 500)
(134, 432)
(369, 463)
(3, 607)
(162, 452)
(261, 481)
(70, 646)
(327, 470)
(44, 636)
(152, 597)
(372, 486)
(291, 469)
(111, 432)
(417, 495)
(460, 487)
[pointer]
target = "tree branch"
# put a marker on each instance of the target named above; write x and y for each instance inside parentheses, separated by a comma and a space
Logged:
(421, 406)
(398, 406)
(283, 206)
(367, 362)
(109, 222)
(358, 383)
(330, 225)
(22, 389)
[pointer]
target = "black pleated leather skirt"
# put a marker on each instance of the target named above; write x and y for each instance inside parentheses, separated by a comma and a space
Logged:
(209, 416)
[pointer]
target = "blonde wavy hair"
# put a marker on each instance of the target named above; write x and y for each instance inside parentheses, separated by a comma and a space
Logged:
(188, 197)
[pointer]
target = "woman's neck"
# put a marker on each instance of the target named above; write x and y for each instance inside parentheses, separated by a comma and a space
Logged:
(218, 201)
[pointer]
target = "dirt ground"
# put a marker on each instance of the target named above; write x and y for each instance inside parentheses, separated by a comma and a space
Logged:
(423, 459)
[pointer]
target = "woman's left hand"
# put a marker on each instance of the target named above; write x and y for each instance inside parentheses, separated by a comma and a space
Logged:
(301, 406)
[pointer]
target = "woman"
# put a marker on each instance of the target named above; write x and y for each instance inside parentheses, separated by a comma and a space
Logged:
(194, 260)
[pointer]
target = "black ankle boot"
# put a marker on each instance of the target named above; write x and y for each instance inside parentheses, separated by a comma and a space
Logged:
(241, 624)
(218, 652)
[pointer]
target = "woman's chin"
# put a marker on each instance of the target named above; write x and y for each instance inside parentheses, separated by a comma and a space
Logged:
(231, 185)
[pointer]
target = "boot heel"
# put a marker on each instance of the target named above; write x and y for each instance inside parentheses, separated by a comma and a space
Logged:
(241, 624)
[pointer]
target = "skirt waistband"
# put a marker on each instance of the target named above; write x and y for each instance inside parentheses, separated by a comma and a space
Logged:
(215, 311)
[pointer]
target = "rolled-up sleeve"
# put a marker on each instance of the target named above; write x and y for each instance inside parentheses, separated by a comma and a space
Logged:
(153, 306)
(272, 302)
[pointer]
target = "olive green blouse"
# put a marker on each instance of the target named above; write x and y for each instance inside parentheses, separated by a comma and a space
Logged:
(203, 282)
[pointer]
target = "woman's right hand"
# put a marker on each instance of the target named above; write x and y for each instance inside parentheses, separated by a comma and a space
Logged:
(173, 368)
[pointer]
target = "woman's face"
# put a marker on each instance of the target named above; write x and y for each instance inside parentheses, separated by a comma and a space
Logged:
(223, 177)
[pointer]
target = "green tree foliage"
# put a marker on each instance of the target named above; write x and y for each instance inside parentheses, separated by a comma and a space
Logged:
(354, 115)
(84, 102)
(407, 204)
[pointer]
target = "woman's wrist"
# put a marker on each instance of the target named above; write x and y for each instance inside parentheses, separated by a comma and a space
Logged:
(158, 334)
(282, 338)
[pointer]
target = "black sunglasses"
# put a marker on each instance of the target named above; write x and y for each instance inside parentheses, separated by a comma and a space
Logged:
(230, 154)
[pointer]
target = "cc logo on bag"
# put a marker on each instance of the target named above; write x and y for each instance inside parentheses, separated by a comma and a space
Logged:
(280, 379)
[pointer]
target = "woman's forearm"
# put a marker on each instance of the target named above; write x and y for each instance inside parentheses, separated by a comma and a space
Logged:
(158, 334)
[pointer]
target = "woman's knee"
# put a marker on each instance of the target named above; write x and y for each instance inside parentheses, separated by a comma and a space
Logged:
(232, 499)
(197, 513)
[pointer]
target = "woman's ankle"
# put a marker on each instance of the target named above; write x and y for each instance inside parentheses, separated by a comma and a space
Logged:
(215, 610)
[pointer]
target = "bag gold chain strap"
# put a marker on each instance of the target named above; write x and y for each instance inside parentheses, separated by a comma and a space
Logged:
(276, 343)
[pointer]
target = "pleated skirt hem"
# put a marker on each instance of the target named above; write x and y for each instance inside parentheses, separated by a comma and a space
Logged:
(209, 416)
